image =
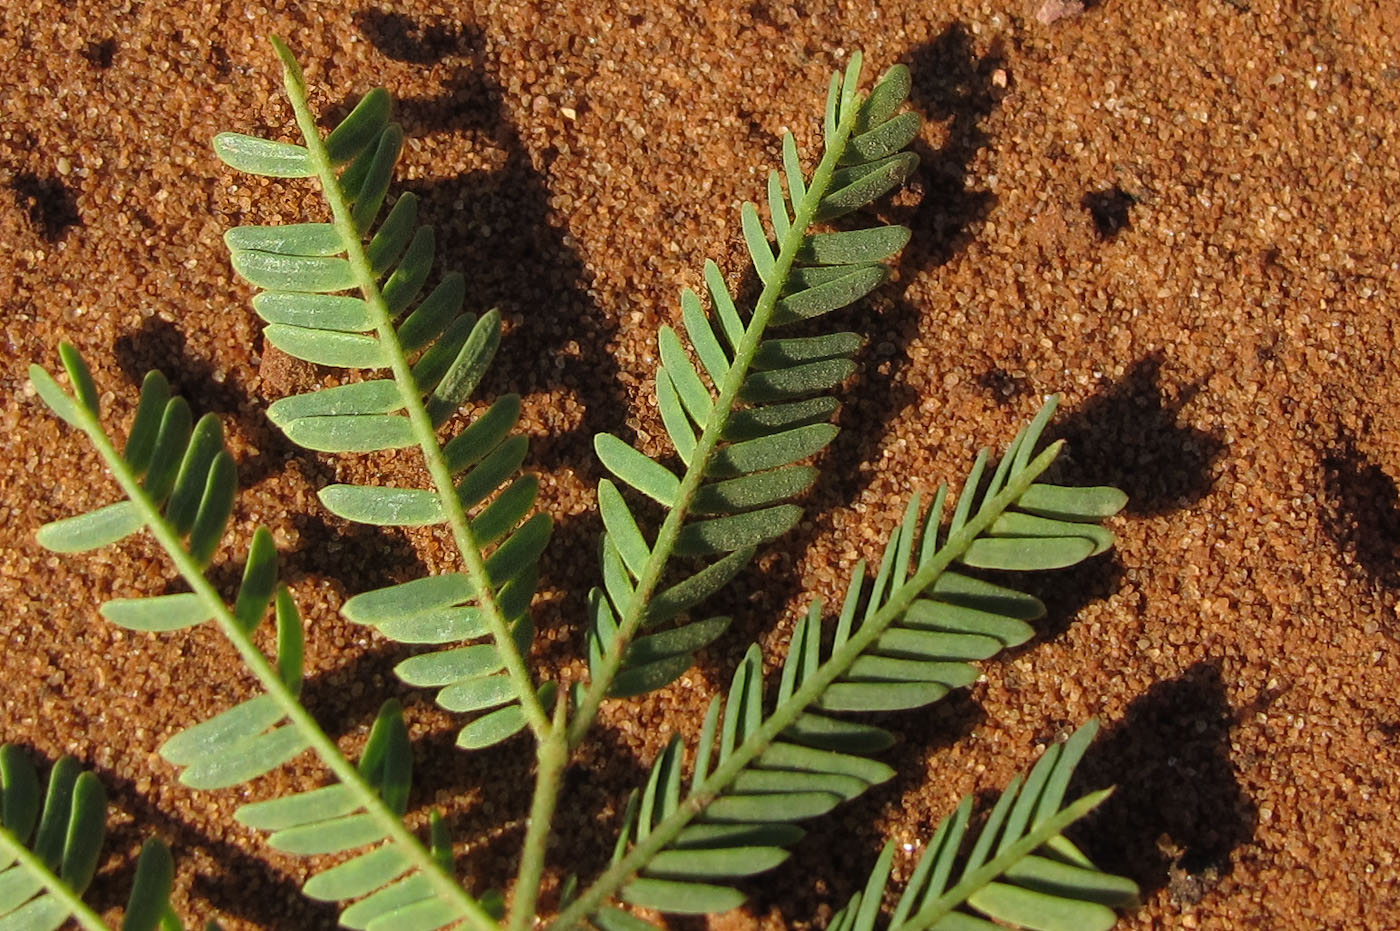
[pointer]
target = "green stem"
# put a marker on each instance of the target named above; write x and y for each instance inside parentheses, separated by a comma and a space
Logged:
(713, 432)
(553, 756)
(78, 910)
(444, 884)
(812, 689)
(412, 399)
(979, 878)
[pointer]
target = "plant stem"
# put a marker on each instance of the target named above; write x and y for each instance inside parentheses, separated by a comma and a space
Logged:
(413, 401)
(810, 691)
(271, 680)
(552, 756)
(14, 851)
(710, 436)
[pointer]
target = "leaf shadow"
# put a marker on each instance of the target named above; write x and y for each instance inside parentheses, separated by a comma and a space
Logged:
(499, 223)
(1360, 511)
(1130, 436)
(50, 205)
(159, 344)
(1178, 811)
(951, 84)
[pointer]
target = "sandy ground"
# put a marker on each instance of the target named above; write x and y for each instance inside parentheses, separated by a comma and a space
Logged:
(1178, 215)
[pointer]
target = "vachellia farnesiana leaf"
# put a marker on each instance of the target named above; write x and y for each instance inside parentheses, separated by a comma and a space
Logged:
(437, 353)
(395, 879)
(48, 860)
(743, 421)
(1021, 870)
(902, 640)
(757, 406)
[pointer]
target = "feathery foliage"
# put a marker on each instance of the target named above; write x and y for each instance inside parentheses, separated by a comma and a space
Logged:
(436, 353)
(743, 435)
(745, 410)
(1020, 871)
(41, 884)
(363, 809)
(901, 641)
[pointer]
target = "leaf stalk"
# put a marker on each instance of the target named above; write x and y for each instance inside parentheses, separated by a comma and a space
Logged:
(804, 215)
(421, 422)
(810, 691)
(271, 680)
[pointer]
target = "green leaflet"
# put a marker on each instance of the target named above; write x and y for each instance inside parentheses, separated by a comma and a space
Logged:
(329, 836)
(622, 527)
(723, 862)
(861, 185)
(695, 397)
(325, 346)
(247, 760)
(886, 139)
(673, 415)
(291, 811)
(385, 507)
(503, 462)
(408, 278)
(477, 694)
(1027, 554)
(361, 127)
(615, 919)
(276, 272)
(351, 433)
(448, 666)
(141, 442)
(776, 450)
(753, 491)
(760, 421)
(831, 294)
(263, 156)
(149, 902)
(782, 353)
(1063, 503)
(158, 613)
(466, 370)
(358, 876)
(484, 435)
(380, 396)
(725, 534)
(292, 239)
(216, 735)
(648, 477)
(54, 396)
(315, 311)
(682, 898)
(690, 592)
(95, 528)
(490, 729)
(392, 239)
(853, 247)
(396, 602)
